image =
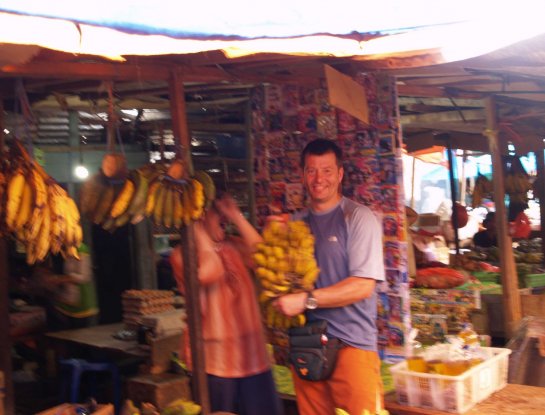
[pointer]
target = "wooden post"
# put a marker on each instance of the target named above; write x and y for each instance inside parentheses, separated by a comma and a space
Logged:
(540, 193)
(444, 138)
(412, 182)
(509, 279)
(462, 180)
(453, 193)
(5, 341)
(250, 164)
(181, 133)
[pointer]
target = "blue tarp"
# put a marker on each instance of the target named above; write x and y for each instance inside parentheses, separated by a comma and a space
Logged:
(250, 19)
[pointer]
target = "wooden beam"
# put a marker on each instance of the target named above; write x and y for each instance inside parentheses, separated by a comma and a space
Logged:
(440, 102)
(509, 280)
(113, 71)
(187, 234)
(432, 92)
(444, 116)
(5, 341)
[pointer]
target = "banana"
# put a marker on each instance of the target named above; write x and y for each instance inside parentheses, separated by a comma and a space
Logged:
(197, 194)
(159, 205)
(168, 207)
(2, 184)
(187, 204)
(41, 199)
(138, 204)
(209, 187)
(15, 189)
(104, 205)
(123, 199)
(57, 219)
(43, 240)
(25, 207)
(177, 208)
(71, 251)
(152, 197)
(122, 220)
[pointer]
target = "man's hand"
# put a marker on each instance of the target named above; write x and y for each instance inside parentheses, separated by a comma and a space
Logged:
(291, 304)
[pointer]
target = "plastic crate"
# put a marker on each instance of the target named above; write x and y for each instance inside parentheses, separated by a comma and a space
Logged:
(452, 393)
(484, 276)
(534, 280)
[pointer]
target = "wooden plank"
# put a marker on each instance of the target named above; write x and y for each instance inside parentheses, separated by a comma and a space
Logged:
(194, 318)
(100, 338)
(444, 116)
(533, 305)
(114, 71)
(508, 270)
(432, 92)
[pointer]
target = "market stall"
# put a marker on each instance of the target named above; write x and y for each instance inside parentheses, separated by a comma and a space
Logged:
(283, 117)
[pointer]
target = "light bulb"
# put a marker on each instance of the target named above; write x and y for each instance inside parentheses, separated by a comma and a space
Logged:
(81, 172)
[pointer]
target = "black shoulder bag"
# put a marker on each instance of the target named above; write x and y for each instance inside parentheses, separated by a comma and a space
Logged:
(312, 353)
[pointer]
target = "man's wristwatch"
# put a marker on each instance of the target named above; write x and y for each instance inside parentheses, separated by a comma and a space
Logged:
(311, 303)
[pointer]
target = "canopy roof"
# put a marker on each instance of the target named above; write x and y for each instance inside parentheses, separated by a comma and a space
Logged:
(447, 57)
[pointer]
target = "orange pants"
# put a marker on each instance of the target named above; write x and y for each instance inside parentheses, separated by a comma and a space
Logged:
(354, 386)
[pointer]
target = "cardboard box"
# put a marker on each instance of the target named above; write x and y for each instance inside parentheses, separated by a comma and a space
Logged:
(70, 408)
(158, 389)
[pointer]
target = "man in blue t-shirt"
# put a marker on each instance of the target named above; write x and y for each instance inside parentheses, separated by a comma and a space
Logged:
(349, 252)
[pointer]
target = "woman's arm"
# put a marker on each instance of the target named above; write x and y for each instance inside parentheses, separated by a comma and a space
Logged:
(228, 207)
(210, 268)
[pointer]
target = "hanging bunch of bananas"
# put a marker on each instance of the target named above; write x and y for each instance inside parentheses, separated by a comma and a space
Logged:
(114, 196)
(37, 210)
(285, 264)
(174, 201)
(482, 189)
(114, 203)
(517, 186)
(517, 183)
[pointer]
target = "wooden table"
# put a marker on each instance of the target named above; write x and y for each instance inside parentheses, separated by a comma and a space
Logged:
(99, 338)
(511, 400)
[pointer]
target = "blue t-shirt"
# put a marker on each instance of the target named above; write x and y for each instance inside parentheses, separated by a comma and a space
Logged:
(348, 243)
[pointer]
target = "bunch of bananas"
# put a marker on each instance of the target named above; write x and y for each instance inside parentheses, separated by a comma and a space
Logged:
(182, 407)
(175, 202)
(517, 185)
(113, 203)
(38, 211)
(149, 191)
(285, 264)
(482, 189)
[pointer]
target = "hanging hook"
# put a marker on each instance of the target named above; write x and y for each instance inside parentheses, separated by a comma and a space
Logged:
(111, 118)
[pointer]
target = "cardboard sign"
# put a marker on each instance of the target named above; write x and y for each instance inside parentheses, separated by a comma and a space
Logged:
(347, 94)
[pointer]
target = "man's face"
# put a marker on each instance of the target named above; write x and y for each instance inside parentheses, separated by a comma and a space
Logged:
(322, 178)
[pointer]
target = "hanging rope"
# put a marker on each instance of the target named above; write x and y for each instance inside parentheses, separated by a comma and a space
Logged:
(119, 139)
(22, 105)
(111, 118)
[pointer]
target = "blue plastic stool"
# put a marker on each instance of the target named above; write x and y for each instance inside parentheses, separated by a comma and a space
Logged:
(73, 370)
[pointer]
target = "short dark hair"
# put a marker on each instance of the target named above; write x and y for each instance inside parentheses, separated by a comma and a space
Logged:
(321, 146)
(489, 218)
